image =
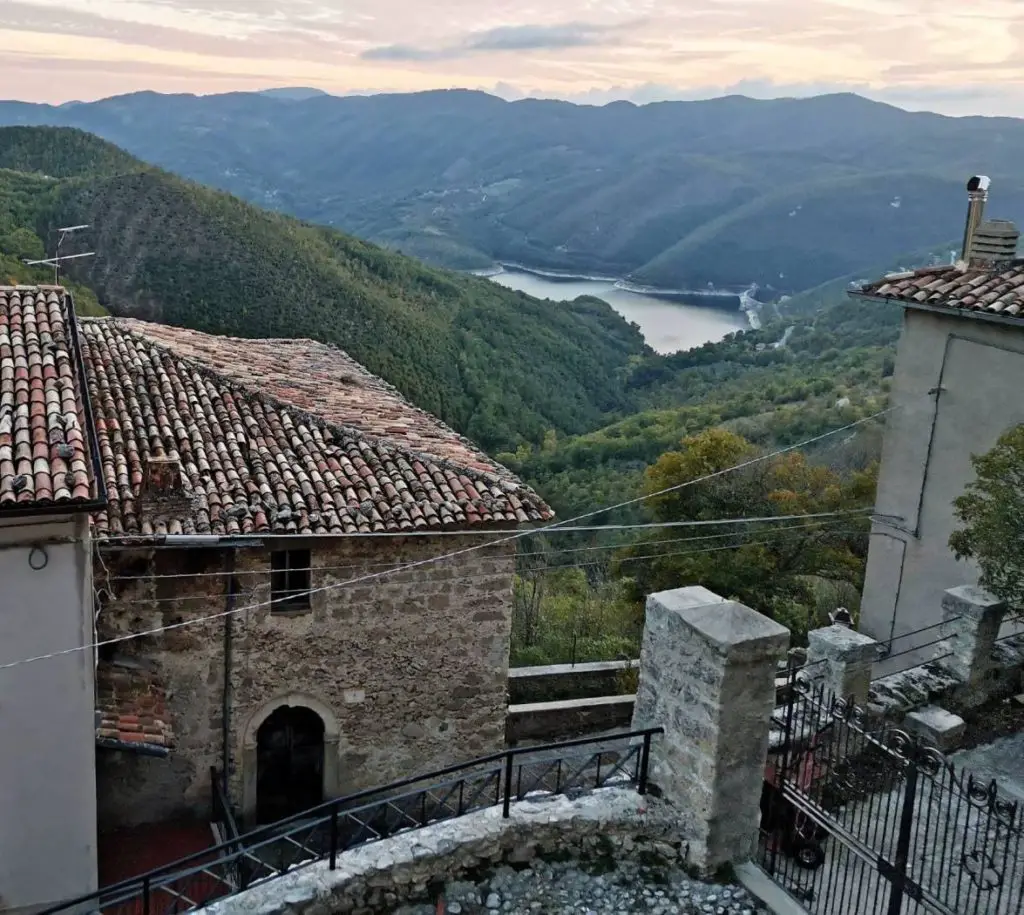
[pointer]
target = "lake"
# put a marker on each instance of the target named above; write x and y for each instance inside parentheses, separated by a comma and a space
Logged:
(668, 326)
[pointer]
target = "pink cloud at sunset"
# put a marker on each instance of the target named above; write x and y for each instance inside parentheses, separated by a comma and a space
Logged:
(916, 53)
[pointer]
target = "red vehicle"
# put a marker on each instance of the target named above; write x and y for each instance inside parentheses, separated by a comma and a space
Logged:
(788, 829)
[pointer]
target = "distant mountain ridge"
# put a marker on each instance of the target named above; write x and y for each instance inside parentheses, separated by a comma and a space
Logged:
(788, 193)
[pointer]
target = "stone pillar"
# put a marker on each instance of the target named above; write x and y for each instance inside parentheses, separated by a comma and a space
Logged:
(971, 621)
(707, 675)
(841, 659)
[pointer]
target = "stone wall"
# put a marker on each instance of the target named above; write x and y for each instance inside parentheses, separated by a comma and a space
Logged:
(408, 671)
(380, 876)
(893, 696)
(546, 721)
(561, 682)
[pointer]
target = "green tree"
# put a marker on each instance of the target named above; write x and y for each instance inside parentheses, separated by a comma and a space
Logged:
(991, 514)
(23, 244)
(778, 567)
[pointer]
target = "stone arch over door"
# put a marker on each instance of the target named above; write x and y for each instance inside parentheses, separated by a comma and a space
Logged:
(331, 736)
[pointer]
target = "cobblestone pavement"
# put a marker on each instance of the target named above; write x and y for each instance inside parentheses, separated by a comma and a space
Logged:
(572, 888)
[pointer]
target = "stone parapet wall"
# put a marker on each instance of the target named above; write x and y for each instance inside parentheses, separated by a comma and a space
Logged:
(972, 665)
(893, 696)
(563, 682)
(540, 721)
(378, 877)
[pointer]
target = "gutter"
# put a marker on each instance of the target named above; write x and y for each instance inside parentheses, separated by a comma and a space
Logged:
(186, 541)
(255, 541)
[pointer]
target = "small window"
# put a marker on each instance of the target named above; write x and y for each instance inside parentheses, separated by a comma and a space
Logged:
(289, 580)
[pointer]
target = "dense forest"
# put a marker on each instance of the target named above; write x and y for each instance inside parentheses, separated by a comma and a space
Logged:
(498, 365)
(749, 394)
(566, 394)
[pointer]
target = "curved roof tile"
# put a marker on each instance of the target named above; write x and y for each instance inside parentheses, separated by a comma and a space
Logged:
(205, 434)
(44, 455)
(994, 290)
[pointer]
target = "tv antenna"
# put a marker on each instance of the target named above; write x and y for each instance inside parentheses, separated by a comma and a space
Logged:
(57, 259)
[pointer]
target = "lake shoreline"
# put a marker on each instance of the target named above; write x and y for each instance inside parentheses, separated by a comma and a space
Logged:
(669, 323)
(719, 300)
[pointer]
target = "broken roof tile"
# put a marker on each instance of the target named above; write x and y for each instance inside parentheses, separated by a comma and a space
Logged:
(131, 711)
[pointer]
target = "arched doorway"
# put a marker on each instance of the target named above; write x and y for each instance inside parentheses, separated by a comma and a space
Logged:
(289, 763)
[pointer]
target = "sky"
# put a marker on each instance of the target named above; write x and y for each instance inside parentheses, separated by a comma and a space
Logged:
(939, 55)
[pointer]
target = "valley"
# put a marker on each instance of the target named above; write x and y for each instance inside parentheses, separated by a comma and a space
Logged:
(788, 193)
(565, 391)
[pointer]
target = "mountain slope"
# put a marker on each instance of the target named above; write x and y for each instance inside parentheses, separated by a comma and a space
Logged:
(62, 153)
(675, 193)
(496, 364)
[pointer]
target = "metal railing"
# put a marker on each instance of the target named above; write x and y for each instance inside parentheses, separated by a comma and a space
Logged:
(324, 832)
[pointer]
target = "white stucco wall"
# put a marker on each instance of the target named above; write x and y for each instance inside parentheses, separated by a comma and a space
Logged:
(47, 730)
(926, 463)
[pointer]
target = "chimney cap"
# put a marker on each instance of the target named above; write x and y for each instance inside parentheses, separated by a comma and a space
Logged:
(978, 183)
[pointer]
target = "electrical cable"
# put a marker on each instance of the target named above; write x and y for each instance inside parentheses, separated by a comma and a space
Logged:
(391, 566)
(551, 567)
(465, 550)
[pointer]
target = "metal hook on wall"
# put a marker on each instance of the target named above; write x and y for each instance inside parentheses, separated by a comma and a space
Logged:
(38, 558)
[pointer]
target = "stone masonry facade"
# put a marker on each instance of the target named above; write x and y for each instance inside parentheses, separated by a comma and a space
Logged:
(408, 670)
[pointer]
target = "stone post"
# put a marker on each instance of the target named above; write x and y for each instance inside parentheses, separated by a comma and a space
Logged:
(841, 659)
(971, 621)
(707, 675)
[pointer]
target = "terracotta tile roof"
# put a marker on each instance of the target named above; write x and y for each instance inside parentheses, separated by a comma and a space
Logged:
(131, 711)
(44, 455)
(203, 434)
(990, 290)
(322, 380)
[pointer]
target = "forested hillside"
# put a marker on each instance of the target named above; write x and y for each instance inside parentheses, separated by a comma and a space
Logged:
(788, 193)
(498, 365)
(566, 393)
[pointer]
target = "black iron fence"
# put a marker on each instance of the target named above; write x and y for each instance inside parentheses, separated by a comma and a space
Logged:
(861, 817)
(321, 834)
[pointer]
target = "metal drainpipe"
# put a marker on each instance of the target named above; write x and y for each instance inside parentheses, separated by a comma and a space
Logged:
(226, 710)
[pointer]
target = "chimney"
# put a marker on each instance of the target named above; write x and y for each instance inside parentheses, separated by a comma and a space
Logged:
(163, 496)
(995, 243)
(977, 194)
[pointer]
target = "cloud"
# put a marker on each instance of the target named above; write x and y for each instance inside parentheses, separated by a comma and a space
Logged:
(500, 39)
(17, 16)
(539, 37)
(403, 52)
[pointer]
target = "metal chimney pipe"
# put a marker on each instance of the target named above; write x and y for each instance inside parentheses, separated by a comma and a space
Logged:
(977, 194)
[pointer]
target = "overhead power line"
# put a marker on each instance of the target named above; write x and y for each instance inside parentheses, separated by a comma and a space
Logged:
(473, 548)
(817, 519)
(390, 568)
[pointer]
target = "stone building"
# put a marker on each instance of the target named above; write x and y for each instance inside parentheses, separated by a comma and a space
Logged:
(271, 485)
(959, 371)
(242, 509)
